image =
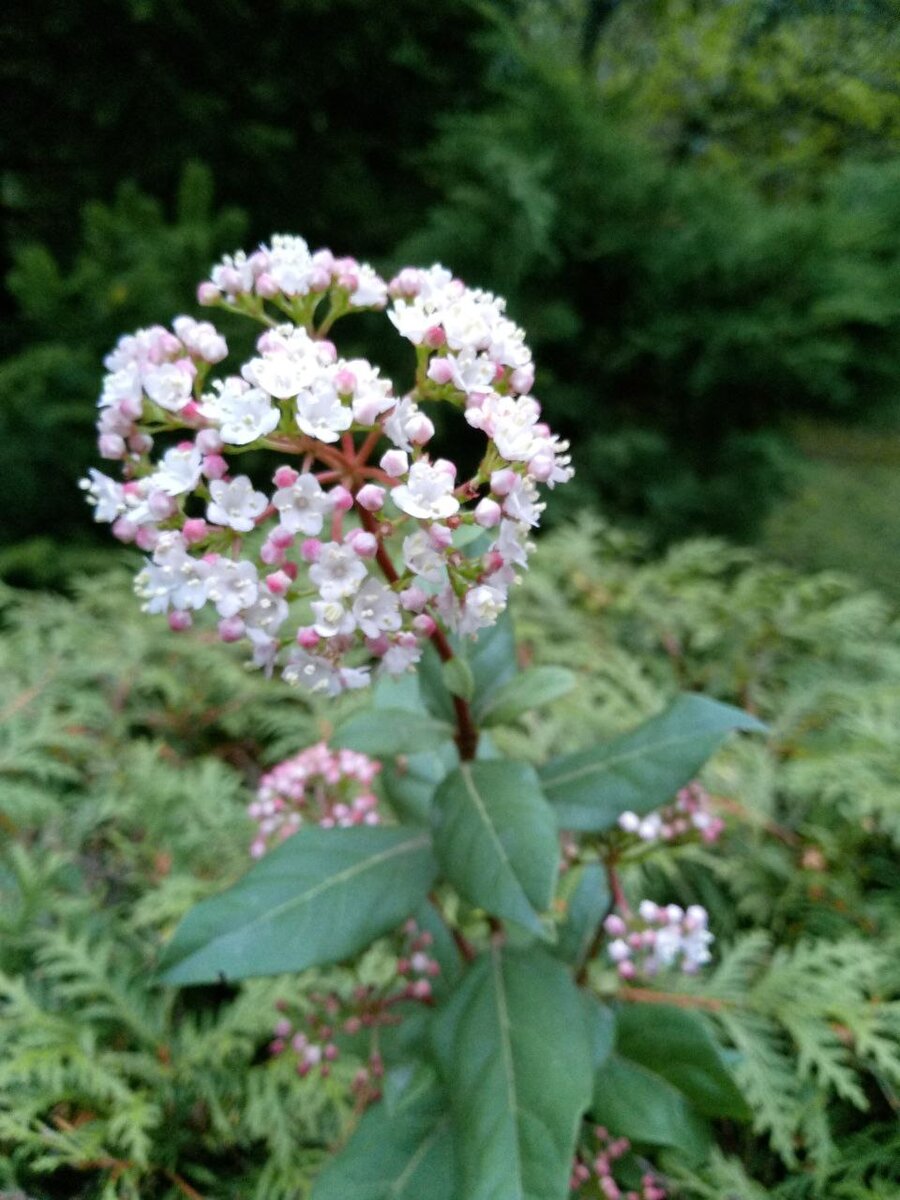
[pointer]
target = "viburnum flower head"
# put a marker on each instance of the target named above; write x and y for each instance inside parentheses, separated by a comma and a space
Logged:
(360, 540)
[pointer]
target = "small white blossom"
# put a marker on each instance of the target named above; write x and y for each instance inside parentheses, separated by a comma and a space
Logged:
(179, 471)
(232, 586)
(168, 386)
(302, 506)
(320, 413)
(338, 572)
(105, 494)
(428, 493)
(235, 504)
(241, 413)
(376, 609)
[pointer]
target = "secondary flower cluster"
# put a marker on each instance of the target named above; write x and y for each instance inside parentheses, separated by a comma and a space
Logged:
(595, 1173)
(689, 816)
(361, 539)
(314, 1036)
(658, 938)
(331, 788)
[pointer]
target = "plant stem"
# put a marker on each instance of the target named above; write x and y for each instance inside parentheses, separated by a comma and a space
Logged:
(637, 995)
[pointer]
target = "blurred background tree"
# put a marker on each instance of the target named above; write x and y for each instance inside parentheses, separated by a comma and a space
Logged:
(692, 206)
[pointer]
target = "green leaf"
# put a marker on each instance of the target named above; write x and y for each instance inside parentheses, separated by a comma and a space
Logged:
(409, 783)
(387, 732)
(641, 770)
(587, 903)
(491, 657)
(319, 897)
(602, 1029)
(443, 949)
(677, 1044)
(636, 1102)
(459, 678)
(399, 1151)
(514, 1049)
(529, 689)
(496, 840)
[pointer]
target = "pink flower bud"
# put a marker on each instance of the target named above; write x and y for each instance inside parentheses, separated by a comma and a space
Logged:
(362, 543)
(521, 380)
(434, 337)
(207, 294)
(424, 624)
(194, 530)
(310, 550)
(146, 537)
(278, 583)
(340, 498)
(179, 620)
(503, 481)
(440, 371)
(345, 382)
(285, 477)
(419, 429)
(394, 463)
(319, 279)
(266, 286)
(208, 441)
(214, 466)
(307, 637)
(281, 537)
(378, 645)
(614, 925)
(140, 443)
(231, 629)
(440, 536)
(124, 530)
(271, 554)
(290, 569)
(541, 467)
(488, 513)
(161, 505)
(413, 599)
(627, 970)
(370, 497)
(111, 445)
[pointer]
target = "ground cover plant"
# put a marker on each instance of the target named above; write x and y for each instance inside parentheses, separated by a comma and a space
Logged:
(501, 924)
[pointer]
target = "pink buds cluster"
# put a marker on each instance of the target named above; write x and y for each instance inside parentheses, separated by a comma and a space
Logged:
(689, 818)
(594, 1174)
(360, 539)
(659, 938)
(314, 1036)
(330, 788)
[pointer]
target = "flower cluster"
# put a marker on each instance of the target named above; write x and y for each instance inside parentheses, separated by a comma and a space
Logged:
(361, 540)
(314, 1036)
(658, 938)
(689, 817)
(331, 788)
(595, 1173)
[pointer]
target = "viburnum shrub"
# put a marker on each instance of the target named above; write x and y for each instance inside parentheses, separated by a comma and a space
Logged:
(506, 1049)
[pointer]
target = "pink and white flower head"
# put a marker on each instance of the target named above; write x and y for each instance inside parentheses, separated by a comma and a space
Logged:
(318, 786)
(658, 938)
(312, 565)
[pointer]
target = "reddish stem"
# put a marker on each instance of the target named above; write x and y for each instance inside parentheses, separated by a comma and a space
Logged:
(466, 732)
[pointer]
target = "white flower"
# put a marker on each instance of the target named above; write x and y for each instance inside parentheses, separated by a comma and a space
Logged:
(521, 502)
(428, 494)
(233, 274)
(401, 656)
(302, 506)
(232, 586)
(105, 494)
(290, 264)
(371, 395)
(483, 605)
(172, 577)
(201, 338)
(179, 471)
(376, 609)
(510, 423)
(472, 372)
(331, 618)
(318, 675)
(242, 413)
(320, 413)
(370, 291)
(168, 386)
(265, 616)
(235, 504)
(412, 321)
(338, 572)
(121, 386)
(422, 558)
